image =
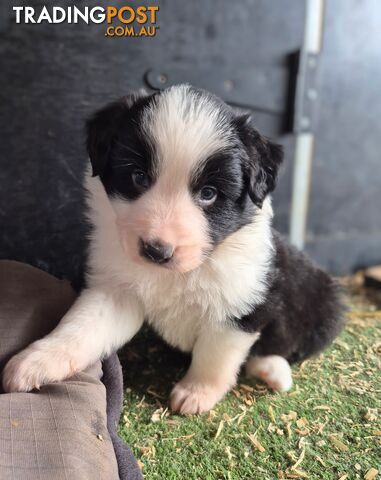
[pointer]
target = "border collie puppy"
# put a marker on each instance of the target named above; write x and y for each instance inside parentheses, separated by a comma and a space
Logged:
(181, 214)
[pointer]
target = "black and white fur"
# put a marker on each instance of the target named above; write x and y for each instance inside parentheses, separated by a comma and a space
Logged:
(181, 214)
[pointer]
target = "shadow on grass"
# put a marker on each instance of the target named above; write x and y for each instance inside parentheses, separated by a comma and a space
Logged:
(150, 366)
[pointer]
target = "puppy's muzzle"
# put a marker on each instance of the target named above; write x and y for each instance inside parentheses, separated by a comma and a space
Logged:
(156, 251)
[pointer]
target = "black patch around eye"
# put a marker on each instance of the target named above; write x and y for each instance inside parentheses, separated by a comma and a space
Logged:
(130, 153)
(231, 210)
(222, 171)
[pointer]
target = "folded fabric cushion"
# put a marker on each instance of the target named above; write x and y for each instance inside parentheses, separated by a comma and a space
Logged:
(67, 430)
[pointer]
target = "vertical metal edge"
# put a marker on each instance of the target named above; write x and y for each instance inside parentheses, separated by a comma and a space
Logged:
(304, 144)
(304, 150)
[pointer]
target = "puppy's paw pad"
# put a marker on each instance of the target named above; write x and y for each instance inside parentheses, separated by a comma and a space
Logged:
(273, 370)
(189, 398)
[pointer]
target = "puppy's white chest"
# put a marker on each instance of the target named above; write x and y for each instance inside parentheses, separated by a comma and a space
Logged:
(176, 317)
(179, 308)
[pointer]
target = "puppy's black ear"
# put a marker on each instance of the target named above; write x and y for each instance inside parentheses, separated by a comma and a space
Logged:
(265, 158)
(102, 128)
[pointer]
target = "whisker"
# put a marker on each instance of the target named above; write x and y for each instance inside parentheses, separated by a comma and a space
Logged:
(128, 223)
(209, 175)
(129, 149)
(123, 165)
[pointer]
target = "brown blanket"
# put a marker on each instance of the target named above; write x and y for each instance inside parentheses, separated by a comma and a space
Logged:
(62, 431)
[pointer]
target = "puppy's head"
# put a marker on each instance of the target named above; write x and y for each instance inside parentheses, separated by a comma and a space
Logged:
(182, 172)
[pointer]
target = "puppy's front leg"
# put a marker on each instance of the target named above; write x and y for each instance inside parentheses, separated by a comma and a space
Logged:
(99, 322)
(216, 359)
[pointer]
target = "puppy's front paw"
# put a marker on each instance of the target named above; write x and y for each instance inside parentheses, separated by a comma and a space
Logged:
(190, 398)
(34, 367)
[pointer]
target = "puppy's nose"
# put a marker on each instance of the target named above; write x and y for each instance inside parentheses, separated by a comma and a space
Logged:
(156, 251)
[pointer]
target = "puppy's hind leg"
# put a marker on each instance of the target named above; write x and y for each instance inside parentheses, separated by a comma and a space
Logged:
(271, 369)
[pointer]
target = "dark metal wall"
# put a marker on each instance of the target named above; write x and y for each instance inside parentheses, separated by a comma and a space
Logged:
(53, 76)
(344, 222)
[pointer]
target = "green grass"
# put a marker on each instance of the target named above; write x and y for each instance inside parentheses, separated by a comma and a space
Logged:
(327, 427)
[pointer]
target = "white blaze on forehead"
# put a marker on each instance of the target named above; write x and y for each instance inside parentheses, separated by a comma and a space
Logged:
(185, 128)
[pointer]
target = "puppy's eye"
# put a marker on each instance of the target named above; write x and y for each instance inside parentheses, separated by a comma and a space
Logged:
(207, 195)
(140, 179)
